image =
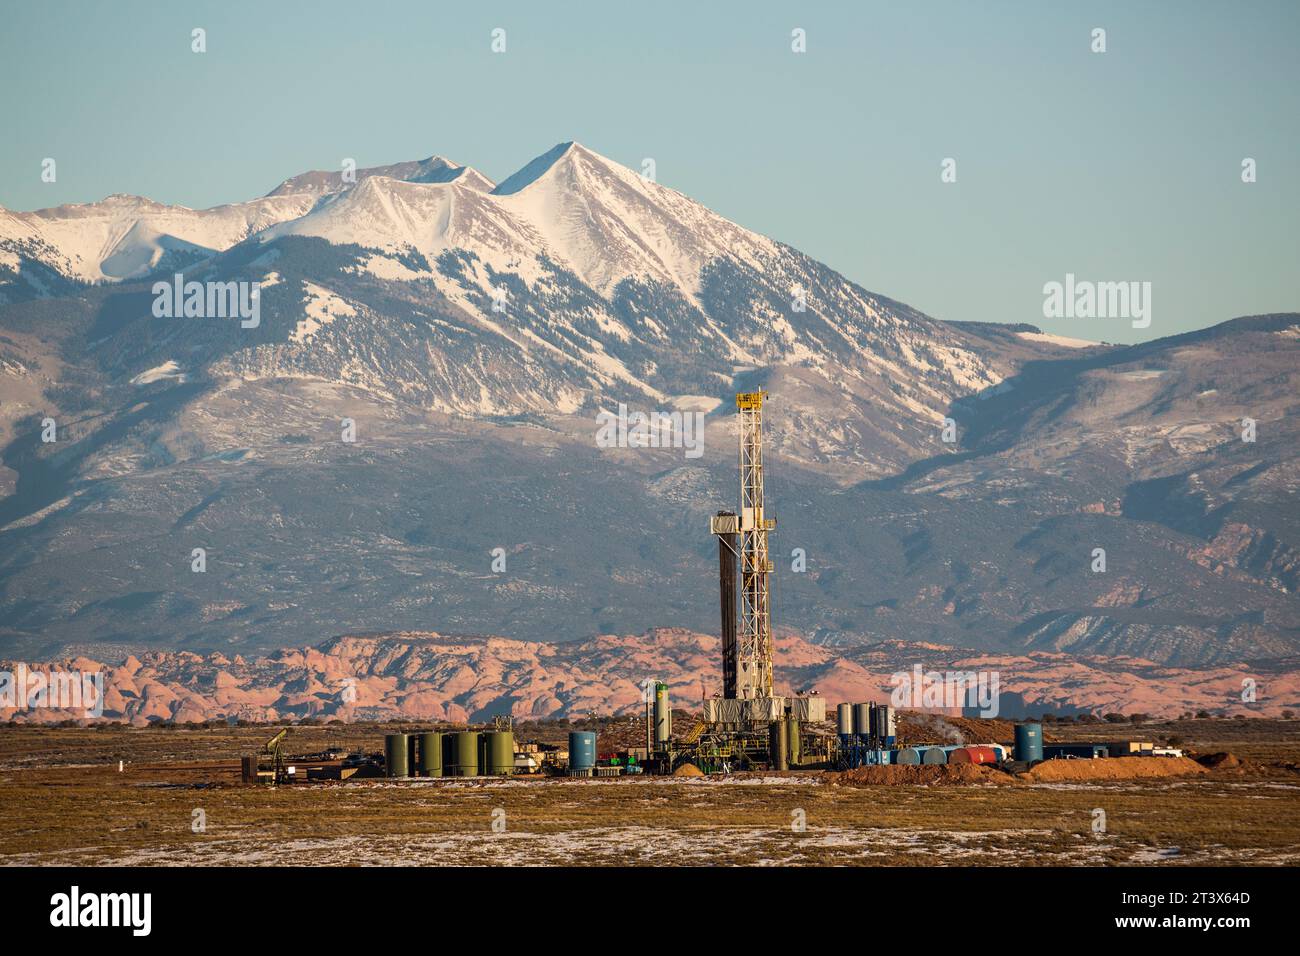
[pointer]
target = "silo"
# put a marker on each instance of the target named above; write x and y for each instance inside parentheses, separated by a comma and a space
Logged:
(430, 754)
(582, 750)
(778, 745)
(862, 719)
(794, 744)
(499, 752)
(1029, 743)
(464, 749)
(844, 720)
(934, 755)
(907, 755)
(884, 723)
(663, 718)
(396, 755)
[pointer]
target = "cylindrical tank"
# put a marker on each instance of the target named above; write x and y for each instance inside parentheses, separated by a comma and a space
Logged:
(582, 750)
(499, 752)
(907, 755)
(793, 743)
(778, 745)
(844, 719)
(430, 754)
(1029, 742)
(663, 717)
(862, 719)
(883, 721)
(396, 755)
(973, 755)
(464, 754)
(933, 755)
(727, 552)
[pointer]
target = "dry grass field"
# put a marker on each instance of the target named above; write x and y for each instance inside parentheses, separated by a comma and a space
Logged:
(63, 800)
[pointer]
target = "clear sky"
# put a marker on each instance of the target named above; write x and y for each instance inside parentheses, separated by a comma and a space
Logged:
(1123, 165)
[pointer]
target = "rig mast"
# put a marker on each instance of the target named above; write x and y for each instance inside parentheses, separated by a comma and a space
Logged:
(747, 657)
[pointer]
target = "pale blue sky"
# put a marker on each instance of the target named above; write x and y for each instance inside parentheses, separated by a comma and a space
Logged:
(1122, 165)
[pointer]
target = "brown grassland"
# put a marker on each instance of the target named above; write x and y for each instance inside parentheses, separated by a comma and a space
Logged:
(62, 800)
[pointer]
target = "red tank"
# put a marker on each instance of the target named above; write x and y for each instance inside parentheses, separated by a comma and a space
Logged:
(973, 755)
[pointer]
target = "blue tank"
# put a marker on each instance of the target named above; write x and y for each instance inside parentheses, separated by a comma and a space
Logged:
(907, 755)
(1029, 743)
(933, 755)
(582, 750)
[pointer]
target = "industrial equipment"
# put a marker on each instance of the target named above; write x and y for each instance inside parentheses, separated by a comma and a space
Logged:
(1029, 743)
(430, 754)
(397, 755)
(747, 660)
(267, 765)
(582, 753)
(460, 755)
(663, 717)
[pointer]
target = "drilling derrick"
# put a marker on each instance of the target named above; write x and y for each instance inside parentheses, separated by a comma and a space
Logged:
(747, 656)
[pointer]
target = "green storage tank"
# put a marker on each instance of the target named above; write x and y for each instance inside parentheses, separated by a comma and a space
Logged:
(778, 745)
(794, 743)
(464, 748)
(499, 752)
(663, 714)
(430, 754)
(396, 755)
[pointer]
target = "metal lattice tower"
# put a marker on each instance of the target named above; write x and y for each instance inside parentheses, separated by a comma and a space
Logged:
(750, 658)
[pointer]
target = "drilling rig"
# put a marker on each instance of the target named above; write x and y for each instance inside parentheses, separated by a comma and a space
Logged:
(748, 724)
(747, 656)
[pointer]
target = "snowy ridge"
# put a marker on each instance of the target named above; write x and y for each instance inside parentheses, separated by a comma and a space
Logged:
(574, 281)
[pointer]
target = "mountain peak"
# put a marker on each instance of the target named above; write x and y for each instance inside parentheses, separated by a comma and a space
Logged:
(535, 169)
(435, 169)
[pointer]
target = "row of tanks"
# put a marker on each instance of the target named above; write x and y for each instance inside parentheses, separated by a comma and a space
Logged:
(461, 753)
(472, 753)
(928, 755)
(867, 736)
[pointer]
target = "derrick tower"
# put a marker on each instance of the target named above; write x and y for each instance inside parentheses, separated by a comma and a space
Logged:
(747, 655)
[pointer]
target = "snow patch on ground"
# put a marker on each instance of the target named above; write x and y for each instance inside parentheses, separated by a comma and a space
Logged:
(168, 370)
(1062, 340)
(322, 308)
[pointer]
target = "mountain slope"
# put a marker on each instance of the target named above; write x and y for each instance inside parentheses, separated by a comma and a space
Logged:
(472, 333)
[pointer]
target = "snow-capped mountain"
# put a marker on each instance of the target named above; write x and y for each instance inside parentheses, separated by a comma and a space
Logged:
(573, 282)
(127, 237)
(471, 331)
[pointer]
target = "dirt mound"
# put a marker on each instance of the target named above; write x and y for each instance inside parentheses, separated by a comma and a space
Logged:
(917, 774)
(916, 728)
(688, 770)
(1220, 761)
(1112, 768)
